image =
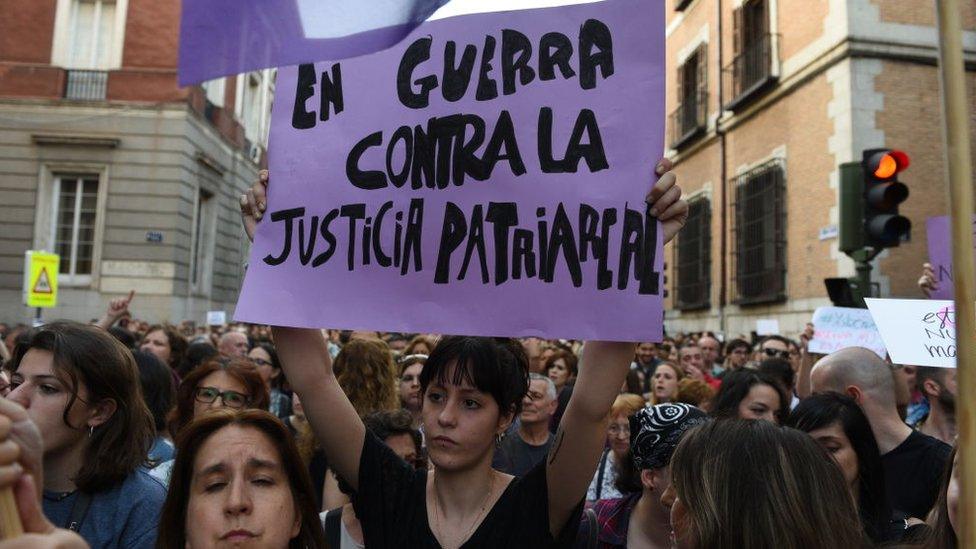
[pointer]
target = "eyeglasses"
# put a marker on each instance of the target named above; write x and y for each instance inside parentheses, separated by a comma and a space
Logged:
(615, 429)
(231, 399)
(772, 353)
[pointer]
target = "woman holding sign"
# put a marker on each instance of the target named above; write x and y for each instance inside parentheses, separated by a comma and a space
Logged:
(471, 390)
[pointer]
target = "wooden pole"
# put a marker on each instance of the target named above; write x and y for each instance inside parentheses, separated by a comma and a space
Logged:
(955, 115)
(10, 526)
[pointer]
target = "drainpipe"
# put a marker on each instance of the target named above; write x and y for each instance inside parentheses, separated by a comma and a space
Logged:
(723, 186)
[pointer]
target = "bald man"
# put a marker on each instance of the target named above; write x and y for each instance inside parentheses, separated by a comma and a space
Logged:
(233, 344)
(913, 462)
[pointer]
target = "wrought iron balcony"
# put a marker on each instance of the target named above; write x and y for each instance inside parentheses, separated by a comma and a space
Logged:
(689, 120)
(86, 85)
(750, 72)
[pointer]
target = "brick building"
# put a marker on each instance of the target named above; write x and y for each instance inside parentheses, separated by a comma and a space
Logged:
(768, 98)
(107, 161)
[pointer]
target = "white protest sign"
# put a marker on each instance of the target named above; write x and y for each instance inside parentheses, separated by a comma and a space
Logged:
(767, 326)
(216, 318)
(919, 332)
(838, 327)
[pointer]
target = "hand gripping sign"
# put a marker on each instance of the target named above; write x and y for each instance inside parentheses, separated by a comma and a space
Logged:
(486, 177)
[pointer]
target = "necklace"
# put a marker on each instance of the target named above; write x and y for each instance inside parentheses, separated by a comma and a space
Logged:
(474, 522)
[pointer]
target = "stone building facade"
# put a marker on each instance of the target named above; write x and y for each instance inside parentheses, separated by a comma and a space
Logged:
(767, 99)
(104, 159)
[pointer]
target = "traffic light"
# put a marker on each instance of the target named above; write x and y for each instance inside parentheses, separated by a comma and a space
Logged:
(883, 226)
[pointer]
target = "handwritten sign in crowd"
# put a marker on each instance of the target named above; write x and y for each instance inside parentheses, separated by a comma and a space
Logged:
(940, 254)
(836, 328)
(917, 332)
(485, 176)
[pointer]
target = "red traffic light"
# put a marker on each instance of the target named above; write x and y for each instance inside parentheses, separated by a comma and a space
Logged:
(885, 164)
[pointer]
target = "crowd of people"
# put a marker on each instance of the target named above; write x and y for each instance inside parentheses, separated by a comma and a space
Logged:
(121, 433)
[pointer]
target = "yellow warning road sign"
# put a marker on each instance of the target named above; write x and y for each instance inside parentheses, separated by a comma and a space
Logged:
(41, 279)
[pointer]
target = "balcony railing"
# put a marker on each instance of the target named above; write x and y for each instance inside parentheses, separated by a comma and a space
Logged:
(689, 119)
(86, 85)
(750, 72)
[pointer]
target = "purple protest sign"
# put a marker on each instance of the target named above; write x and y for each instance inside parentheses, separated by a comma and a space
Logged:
(224, 37)
(940, 254)
(500, 195)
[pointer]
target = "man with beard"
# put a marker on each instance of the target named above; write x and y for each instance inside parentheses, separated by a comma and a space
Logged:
(939, 387)
(645, 362)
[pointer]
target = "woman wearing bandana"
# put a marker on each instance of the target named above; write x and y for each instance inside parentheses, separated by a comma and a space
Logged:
(640, 520)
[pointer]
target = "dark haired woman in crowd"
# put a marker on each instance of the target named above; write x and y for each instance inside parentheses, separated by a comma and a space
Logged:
(238, 481)
(640, 519)
(196, 354)
(561, 368)
(945, 514)
(81, 387)
(754, 484)
(837, 423)
(737, 354)
(264, 356)
(166, 342)
(472, 389)
(410, 367)
(665, 383)
(156, 380)
(748, 394)
(220, 383)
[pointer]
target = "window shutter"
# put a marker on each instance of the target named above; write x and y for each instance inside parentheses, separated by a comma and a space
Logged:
(737, 31)
(702, 92)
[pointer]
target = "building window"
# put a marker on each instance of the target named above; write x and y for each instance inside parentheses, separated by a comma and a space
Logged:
(690, 118)
(254, 93)
(694, 263)
(91, 34)
(201, 259)
(760, 235)
(73, 225)
(751, 69)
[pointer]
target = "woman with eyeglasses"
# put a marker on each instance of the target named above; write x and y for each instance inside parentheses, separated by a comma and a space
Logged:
(80, 386)
(264, 356)
(218, 383)
(604, 483)
(751, 394)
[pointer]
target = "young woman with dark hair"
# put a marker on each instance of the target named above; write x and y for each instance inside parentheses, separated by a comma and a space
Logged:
(81, 387)
(837, 423)
(945, 515)
(561, 368)
(166, 342)
(159, 392)
(238, 481)
(750, 394)
(472, 389)
(410, 367)
(738, 483)
(264, 356)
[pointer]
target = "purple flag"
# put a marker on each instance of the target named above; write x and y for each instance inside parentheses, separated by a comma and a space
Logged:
(224, 37)
(486, 176)
(940, 254)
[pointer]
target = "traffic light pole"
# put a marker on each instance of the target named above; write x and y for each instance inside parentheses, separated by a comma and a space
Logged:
(862, 260)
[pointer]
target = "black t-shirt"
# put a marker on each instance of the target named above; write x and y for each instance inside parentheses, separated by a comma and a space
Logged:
(391, 504)
(913, 473)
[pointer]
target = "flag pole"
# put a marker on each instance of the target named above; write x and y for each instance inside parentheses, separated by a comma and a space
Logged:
(955, 119)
